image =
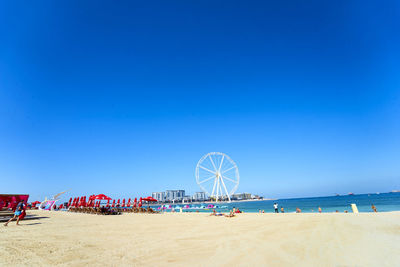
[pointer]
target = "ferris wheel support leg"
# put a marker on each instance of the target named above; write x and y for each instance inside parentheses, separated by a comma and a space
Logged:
(218, 189)
(215, 182)
(226, 191)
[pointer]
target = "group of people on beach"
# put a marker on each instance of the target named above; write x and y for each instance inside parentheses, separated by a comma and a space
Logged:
(232, 213)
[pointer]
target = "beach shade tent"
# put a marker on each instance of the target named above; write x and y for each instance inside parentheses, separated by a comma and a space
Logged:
(102, 197)
(149, 199)
(11, 201)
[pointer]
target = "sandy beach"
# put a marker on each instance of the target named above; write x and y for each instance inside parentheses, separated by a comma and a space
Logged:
(70, 239)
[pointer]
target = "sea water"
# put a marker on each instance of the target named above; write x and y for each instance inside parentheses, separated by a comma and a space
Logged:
(383, 202)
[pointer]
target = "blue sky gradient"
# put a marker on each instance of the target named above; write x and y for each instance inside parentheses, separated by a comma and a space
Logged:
(124, 98)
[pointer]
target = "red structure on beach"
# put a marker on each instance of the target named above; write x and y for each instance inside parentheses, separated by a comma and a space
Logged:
(11, 201)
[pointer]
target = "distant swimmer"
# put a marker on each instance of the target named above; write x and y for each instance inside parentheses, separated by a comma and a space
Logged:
(282, 210)
(276, 208)
(298, 210)
(319, 209)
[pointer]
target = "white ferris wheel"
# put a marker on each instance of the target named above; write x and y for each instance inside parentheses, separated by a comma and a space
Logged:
(217, 175)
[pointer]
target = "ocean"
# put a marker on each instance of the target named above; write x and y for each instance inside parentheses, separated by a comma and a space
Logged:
(383, 202)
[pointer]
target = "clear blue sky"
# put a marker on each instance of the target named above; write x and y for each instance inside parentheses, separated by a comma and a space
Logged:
(124, 97)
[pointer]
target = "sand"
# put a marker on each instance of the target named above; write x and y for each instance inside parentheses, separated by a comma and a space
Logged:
(70, 239)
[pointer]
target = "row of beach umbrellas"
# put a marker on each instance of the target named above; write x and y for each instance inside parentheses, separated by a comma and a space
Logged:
(95, 201)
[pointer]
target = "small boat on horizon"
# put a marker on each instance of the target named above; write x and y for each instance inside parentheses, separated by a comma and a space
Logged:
(350, 194)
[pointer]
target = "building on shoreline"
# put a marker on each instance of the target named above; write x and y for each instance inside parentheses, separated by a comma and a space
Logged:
(160, 196)
(174, 195)
(199, 196)
(171, 196)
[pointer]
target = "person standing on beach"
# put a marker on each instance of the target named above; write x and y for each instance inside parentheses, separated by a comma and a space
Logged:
(18, 211)
(374, 208)
(276, 208)
(319, 209)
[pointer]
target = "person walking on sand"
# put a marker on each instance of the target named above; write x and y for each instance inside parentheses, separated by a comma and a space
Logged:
(18, 211)
(276, 208)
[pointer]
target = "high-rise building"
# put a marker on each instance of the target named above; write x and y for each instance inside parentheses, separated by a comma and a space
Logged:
(160, 196)
(241, 196)
(171, 195)
(199, 196)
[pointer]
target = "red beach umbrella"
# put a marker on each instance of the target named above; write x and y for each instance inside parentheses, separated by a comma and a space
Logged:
(123, 202)
(69, 202)
(108, 203)
(91, 200)
(113, 204)
(140, 202)
(129, 203)
(118, 203)
(149, 199)
(102, 197)
(135, 203)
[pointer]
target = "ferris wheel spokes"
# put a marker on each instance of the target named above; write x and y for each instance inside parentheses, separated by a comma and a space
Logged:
(229, 179)
(228, 169)
(208, 179)
(220, 165)
(204, 168)
(212, 162)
